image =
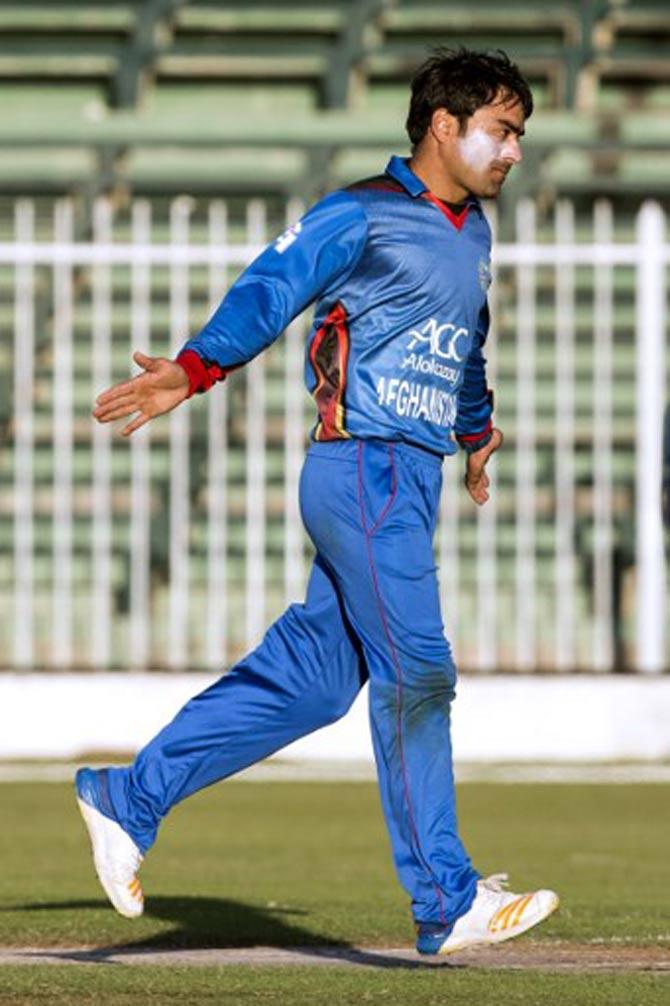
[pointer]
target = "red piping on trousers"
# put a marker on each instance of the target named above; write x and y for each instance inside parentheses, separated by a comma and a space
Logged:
(394, 657)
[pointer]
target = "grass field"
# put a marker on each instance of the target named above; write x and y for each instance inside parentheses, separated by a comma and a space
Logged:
(308, 864)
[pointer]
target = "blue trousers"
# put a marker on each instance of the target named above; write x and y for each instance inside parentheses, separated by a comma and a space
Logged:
(371, 612)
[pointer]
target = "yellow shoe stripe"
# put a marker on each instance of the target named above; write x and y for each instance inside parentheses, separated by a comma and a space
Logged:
(501, 918)
(519, 912)
(512, 912)
(496, 922)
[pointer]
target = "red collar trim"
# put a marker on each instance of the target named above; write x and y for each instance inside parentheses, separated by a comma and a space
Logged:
(457, 219)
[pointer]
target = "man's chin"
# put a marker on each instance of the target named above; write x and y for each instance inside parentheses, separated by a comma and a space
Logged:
(489, 190)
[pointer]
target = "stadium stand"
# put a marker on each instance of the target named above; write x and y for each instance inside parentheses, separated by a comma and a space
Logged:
(238, 100)
(92, 92)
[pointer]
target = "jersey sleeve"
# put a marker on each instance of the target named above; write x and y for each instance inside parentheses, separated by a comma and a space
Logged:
(475, 400)
(316, 253)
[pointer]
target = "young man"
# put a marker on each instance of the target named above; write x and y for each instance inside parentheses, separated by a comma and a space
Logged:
(399, 268)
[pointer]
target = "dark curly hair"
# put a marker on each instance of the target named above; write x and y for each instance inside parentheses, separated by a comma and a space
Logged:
(461, 81)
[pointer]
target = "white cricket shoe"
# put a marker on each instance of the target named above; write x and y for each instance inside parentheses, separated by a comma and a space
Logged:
(117, 859)
(494, 916)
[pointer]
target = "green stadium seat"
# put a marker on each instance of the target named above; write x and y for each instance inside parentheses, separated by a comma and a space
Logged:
(50, 168)
(59, 102)
(261, 18)
(208, 103)
(234, 169)
(88, 17)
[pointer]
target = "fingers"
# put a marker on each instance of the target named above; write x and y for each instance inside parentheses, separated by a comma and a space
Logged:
(114, 408)
(144, 361)
(120, 409)
(118, 412)
(124, 398)
(124, 387)
(478, 493)
(135, 424)
(476, 478)
(475, 469)
(122, 406)
(477, 485)
(115, 392)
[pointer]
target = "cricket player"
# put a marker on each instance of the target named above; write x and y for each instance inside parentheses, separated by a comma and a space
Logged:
(398, 268)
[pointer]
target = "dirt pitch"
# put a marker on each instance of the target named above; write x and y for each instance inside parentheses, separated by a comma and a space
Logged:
(557, 957)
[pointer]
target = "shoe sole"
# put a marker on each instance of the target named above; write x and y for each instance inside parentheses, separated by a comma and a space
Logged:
(503, 936)
(92, 829)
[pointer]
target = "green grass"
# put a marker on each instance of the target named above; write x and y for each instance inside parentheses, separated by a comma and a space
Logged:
(236, 986)
(290, 864)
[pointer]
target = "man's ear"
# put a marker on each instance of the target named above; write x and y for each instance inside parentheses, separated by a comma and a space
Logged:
(443, 125)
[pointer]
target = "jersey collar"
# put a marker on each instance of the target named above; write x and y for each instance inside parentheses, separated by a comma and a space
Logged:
(399, 169)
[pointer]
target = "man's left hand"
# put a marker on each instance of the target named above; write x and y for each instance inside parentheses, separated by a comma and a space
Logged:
(476, 479)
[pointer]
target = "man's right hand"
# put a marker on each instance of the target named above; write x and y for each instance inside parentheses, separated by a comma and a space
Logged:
(476, 479)
(162, 386)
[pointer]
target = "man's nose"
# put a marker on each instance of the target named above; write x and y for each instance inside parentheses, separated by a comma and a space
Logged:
(512, 150)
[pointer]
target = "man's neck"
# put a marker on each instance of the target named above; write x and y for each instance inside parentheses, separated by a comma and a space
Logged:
(433, 177)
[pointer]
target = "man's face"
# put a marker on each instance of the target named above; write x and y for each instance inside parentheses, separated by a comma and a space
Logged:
(480, 158)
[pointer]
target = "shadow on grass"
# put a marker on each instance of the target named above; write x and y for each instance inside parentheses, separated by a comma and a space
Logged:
(217, 923)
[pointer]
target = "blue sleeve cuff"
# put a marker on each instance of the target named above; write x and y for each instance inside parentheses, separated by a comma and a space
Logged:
(473, 442)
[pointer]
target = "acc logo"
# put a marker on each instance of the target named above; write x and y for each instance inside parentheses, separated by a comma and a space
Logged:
(443, 340)
(286, 239)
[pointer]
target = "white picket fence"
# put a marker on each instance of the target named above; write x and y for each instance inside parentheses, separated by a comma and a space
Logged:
(476, 625)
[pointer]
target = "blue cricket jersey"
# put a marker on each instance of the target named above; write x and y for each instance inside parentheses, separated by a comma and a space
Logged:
(400, 284)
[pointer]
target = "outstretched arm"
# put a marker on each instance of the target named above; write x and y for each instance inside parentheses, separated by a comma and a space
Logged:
(309, 259)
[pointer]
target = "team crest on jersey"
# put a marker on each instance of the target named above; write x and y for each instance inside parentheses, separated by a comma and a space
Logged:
(286, 239)
(484, 273)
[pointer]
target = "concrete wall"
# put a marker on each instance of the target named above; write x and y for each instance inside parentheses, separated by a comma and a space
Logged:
(506, 718)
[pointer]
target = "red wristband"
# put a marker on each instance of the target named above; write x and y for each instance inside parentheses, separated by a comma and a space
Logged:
(201, 376)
